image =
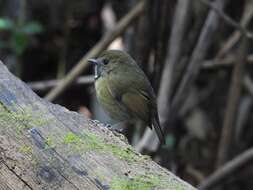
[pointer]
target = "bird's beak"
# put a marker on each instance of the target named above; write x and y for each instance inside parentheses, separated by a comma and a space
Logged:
(93, 61)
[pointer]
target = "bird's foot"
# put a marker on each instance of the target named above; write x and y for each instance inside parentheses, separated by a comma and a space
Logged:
(114, 128)
(117, 131)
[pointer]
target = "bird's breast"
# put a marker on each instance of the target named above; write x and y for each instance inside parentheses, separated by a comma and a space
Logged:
(109, 103)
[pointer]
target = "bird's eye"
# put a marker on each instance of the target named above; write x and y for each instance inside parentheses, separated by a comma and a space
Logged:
(105, 61)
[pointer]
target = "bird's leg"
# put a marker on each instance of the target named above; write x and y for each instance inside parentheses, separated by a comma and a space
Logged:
(119, 130)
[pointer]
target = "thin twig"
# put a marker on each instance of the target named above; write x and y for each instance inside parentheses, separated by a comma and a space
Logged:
(98, 48)
(198, 55)
(235, 36)
(227, 19)
(232, 103)
(229, 169)
(175, 43)
(229, 62)
(248, 84)
(244, 113)
(225, 62)
(161, 45)
(197, 175)
(46, 85)
(173, 56)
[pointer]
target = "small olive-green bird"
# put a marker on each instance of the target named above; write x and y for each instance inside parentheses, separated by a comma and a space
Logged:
(124, 91)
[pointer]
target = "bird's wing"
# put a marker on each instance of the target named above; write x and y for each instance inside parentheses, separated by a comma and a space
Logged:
(138, 103)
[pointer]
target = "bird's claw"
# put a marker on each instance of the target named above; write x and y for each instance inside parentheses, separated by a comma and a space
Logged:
(114, 129)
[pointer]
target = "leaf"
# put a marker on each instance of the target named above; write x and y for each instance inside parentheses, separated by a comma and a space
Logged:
(6, 24)
(19, 42)
(32, 28)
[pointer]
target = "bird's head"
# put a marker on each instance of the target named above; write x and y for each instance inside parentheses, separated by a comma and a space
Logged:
(111, 61)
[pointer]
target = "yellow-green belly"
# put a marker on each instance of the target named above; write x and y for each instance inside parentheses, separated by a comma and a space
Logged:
(112, 107)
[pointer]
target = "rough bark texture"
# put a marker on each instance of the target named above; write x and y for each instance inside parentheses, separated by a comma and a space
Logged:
(45, 146)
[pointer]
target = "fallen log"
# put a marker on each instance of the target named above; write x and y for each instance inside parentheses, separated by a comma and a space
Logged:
(46, 146)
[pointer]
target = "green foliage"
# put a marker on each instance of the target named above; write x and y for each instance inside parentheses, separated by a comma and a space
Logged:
(18, 42)
(32, 28)
(20, 34)
(6, 24)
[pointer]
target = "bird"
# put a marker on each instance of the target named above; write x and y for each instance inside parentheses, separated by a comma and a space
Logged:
(124, 91)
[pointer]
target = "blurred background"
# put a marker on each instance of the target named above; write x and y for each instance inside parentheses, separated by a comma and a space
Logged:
(197, 55)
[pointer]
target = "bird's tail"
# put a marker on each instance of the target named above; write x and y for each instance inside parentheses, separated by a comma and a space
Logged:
(158, 129)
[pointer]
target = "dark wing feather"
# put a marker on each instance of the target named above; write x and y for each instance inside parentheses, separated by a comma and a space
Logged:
(141, 107)
(158, 129)
(137, 105)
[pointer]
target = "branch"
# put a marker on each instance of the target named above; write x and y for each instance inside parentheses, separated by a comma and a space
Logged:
(248, 84)
(98, 48)
(179, 27)
(235, 36)
(229, 169)
(203, 44)
(232, 103)
(180, 21)
(48, 84)
(227, 19)
(228, 61)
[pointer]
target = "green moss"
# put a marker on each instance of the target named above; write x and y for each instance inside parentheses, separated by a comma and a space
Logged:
(124, 153)
(28, 151)
(25, 149)
(71, 138)
(99, 176)
(49, 142)
(142, 182)
(80, 143)
(95, 142)
(22, 121)
(180, 188)
(147, 181)
(90, 142)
